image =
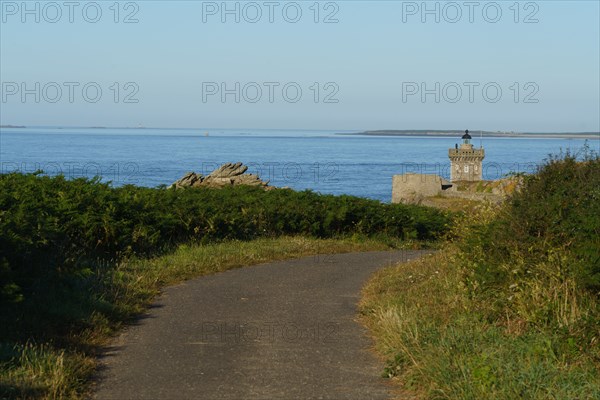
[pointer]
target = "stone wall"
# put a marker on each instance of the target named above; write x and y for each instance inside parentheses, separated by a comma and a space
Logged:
(416, 188)
(413, 188)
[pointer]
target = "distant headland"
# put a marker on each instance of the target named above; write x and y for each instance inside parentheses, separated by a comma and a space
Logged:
(444, 133)
(383, 132)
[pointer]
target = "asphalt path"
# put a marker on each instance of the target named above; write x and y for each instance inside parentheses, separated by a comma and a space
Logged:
(282, 330)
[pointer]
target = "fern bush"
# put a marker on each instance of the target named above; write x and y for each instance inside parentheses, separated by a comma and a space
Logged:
(52, 228)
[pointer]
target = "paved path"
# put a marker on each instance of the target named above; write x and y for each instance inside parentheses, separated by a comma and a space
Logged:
(283, 330)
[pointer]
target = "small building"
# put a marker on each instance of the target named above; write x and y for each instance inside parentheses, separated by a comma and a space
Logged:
(466, 161)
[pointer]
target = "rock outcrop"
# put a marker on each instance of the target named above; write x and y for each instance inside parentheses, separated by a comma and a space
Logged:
(189, 179)
(228, 174)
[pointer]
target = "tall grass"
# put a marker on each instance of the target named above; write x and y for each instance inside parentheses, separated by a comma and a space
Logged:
(42, 371)
(440, 343)
(511, 309)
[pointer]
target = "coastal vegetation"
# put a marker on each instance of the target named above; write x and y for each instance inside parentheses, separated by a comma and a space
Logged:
(80, 258)
(510, 307)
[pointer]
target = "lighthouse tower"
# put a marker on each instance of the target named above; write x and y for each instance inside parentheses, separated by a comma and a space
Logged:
(465, 161)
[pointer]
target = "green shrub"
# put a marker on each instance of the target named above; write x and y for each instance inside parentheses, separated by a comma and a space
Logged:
(56, 230)
(554, 219)
(511, 308)
(536, 262)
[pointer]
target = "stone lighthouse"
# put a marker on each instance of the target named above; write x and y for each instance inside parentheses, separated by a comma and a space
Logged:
(465, 161)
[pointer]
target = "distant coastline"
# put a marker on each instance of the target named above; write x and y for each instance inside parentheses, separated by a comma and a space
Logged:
(453, 133)
(384, 132)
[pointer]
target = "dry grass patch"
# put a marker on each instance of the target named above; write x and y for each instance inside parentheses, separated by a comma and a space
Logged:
(440, 343)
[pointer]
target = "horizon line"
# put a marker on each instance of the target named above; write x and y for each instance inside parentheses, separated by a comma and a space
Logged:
(515, 132)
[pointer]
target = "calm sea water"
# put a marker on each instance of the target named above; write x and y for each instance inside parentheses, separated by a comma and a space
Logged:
(320, 160)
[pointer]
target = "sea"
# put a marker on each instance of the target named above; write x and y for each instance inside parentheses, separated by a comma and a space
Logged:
(331, 162)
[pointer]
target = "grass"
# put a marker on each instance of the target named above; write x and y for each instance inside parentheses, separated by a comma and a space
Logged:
(440, 344)
(453, 204)
(59, 363)
(511, 307)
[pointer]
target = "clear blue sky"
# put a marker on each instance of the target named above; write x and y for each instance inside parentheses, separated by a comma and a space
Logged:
(373, 55)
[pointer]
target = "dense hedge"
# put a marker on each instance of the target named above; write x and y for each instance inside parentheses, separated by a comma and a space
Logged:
(51, 226)
(550, 230)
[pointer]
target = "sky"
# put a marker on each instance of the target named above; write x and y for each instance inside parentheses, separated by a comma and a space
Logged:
(351, 65)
